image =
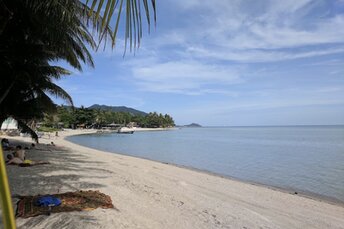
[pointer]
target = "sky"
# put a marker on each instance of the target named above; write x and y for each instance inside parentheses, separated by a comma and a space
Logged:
(228, 63)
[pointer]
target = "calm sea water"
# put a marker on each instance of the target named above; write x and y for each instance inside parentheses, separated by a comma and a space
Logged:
(308, 159)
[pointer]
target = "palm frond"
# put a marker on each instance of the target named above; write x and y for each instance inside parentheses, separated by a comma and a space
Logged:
(58, 92)
(133, 21)
(24, 128)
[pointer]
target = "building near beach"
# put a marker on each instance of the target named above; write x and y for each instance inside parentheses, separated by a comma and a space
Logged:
(9, 124)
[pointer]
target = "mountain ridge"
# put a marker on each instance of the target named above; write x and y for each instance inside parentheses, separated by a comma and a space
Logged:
(118, 109)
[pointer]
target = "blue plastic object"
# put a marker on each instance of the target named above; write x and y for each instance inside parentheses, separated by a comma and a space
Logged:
(46, 201)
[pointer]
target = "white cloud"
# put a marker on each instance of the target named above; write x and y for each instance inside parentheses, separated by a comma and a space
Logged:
(195, 54)
(272, 36)
(258, 56)
(288, 6)
(184, 77)
(274, 102)
(259, 29)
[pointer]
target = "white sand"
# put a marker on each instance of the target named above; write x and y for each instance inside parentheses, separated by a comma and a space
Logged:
(149, 194)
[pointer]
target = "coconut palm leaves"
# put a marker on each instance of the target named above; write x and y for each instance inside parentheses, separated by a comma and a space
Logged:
(133, 18)
(35, 33)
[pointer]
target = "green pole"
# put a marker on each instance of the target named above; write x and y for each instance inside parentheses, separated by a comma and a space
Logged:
(5, 196)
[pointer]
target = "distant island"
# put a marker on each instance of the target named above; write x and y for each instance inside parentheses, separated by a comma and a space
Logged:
(193, 125)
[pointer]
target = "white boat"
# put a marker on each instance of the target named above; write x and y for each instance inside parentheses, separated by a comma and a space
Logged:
(125, 130)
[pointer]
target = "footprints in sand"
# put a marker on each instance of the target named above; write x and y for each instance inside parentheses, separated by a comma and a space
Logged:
(156, 196)
(159, 196)
(210, 217)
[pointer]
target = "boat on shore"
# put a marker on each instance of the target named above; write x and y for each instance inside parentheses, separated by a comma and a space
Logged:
(125, 130)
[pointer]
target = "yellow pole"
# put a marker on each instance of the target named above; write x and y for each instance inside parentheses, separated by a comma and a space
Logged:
(5, 196)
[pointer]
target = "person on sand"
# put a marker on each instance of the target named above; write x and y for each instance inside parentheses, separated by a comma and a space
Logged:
(30, 147)
(17, 161)
(20, 153)
(5, 144)
(13, 160)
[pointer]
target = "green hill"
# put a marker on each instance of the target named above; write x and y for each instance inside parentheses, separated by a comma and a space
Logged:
(118, 109)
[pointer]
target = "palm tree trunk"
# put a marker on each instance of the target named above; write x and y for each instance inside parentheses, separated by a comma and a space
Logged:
(6, 92)
(9, 16)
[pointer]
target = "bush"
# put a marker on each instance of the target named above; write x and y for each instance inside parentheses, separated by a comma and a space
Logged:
(47, 129)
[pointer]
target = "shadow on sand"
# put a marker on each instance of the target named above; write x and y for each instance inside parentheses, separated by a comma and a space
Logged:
(68, 171)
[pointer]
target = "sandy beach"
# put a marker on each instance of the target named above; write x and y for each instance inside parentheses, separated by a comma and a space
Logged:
(148, 194)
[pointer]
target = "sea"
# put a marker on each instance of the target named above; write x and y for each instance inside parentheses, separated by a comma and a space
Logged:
(303, 159)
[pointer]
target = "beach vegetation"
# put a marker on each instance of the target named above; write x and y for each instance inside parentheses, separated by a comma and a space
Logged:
(66, 117)
(47, 129)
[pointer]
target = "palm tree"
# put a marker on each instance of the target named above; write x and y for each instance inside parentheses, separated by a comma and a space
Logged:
(52, 31)
(26, 48)
(34, 33)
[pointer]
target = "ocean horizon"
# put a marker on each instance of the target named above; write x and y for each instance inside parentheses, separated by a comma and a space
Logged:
(294, 125)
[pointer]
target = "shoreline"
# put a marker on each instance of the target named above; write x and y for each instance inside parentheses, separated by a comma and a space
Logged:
(152, 194)
(291, 191)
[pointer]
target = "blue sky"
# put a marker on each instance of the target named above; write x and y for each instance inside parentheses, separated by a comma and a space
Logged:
(228, 63)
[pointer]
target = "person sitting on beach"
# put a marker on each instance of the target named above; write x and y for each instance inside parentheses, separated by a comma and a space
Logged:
(30, 147)
(5, 144)
(17, 161)
(19, 153)
(13, 160)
